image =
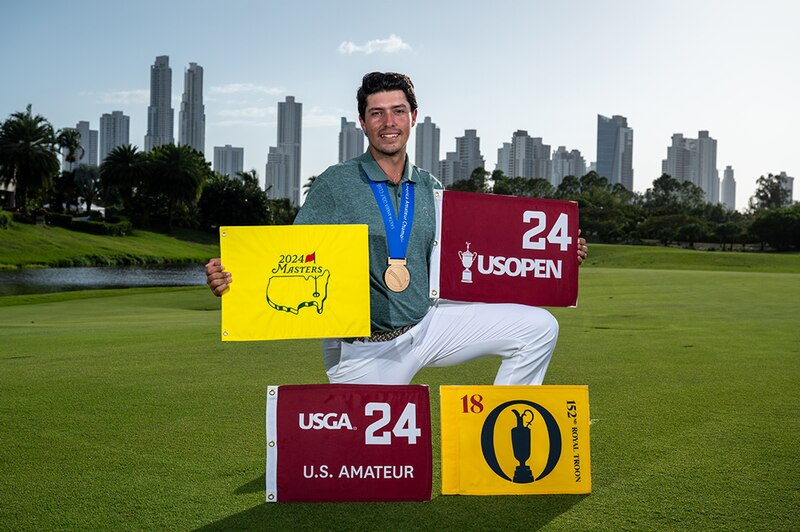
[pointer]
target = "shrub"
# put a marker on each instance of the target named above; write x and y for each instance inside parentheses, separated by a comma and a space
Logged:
(102, 228)
(60, 220)
(5, 219)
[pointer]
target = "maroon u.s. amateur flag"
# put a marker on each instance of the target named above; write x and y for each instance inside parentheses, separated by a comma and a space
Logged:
(505, 249)
(348, 442)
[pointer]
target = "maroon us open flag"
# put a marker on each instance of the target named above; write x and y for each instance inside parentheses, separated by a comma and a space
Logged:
(505, 249)
(348, 442)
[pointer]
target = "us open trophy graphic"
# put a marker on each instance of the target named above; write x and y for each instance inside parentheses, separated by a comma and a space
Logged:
(521, 445)
(467, 257)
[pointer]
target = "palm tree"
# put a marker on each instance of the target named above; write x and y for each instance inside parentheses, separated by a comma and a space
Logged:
(178, 173)
(251, 176)
(87, 183)
(28, 157)
(123, 170)
(308, 184)
(70, 139)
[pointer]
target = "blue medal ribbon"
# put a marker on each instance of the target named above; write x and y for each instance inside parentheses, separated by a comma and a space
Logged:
(398, 227)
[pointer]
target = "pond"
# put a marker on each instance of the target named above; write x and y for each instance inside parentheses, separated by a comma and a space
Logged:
(43, 280)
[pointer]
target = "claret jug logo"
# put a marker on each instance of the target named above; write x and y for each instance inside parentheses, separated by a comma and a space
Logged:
(297, 281)
(467, 258)
(520, 438)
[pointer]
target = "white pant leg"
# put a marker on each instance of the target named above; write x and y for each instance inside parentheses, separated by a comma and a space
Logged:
(523, 336)
(370, 362)
(452, 333)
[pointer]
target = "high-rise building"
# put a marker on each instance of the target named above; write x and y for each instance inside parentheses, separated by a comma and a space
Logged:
(228, 160)
(504, 159)
(615, 150)
(160, 115)
(276, 174)
(193, 112)
(788, 184)
(728, 189)
(426, 155)
(115, 130)
(449, 169)
(566, 163)
(529, 157)
(707, 166)
(283, 162)
(351, 141)
(88, 144)
(468, 148)
(694, 160)
(681, 161)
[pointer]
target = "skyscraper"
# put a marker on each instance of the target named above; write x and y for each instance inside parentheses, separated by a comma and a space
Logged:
(228, 160)
(615, 150)
(567, 163)
(529, 156)
(160, 115)
(88, 144)
(504, 159)
(283, 162)
(694, 160)
(707, 166)
(681, 161)
(351, 141)
(193, 112)
(114, 131)
(788, 183)
(728, 189)
(468, 148)
(449, 169)
(426, 154)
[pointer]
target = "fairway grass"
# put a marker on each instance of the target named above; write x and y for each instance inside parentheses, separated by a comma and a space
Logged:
(123, 410)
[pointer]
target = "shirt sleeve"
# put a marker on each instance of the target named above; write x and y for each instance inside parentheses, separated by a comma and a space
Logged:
(320, 205)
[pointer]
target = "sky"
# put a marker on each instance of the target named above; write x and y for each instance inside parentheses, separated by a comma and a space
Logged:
(727, 66)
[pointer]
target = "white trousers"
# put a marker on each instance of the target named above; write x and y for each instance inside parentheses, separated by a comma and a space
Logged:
(452, 333)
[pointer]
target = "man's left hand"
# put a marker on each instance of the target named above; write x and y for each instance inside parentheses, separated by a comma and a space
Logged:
(583, 249)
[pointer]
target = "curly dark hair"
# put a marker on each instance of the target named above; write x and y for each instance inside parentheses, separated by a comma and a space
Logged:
(382, 82)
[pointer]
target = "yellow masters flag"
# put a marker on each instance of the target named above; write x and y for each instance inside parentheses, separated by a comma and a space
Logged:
(295, 281)
(515, 440)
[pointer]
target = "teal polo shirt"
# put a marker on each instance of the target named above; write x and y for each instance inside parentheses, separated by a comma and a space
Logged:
(342, 195)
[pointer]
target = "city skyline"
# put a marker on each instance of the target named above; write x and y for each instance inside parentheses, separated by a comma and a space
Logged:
(731, 58)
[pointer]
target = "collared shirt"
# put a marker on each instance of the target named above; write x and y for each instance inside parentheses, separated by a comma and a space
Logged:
(342, 195)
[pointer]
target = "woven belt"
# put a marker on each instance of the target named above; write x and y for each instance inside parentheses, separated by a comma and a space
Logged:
(383, 336)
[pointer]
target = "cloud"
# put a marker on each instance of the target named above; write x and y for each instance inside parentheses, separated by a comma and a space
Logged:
(246, 116)
(249, 112)
(238, 88)
(392, 45)
(318, 117)
(241, 123)
(134, 96)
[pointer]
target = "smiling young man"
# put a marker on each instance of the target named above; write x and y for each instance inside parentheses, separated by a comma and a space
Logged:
(382, 189)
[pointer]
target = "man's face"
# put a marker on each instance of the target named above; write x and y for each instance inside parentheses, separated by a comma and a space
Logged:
(387, 121)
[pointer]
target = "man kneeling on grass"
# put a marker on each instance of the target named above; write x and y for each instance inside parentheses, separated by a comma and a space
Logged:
(409, 331)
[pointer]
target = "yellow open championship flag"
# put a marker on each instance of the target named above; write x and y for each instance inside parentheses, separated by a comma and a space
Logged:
(515, 440)
(295, 281)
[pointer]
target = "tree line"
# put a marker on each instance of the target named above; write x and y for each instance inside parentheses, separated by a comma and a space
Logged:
(169, 186)
(174, 186)
(670, 211)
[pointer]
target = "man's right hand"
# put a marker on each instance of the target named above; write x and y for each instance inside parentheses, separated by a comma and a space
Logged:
(216, 277)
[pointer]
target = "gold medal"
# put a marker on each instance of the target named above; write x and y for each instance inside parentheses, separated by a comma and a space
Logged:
(397, 277)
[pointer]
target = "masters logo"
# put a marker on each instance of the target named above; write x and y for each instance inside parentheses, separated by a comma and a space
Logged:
(297, 282)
